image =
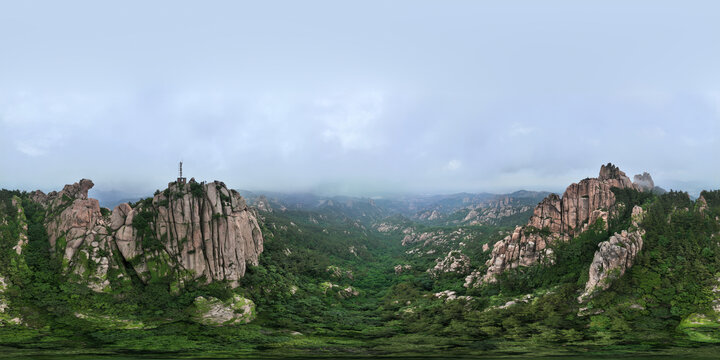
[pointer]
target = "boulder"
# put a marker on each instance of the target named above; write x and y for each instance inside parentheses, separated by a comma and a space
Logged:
(215, 312)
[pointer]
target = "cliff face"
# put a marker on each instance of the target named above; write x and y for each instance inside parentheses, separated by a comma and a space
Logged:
(557, 219)
(187, 231)
(615, 256)
(205, 229)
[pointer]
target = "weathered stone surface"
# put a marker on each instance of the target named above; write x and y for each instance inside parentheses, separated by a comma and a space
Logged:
(643, 182)
(263, 204)
(208, 232)
(557, 219)
(213, 311)
(343, 292)
(614, 256)
(117, 219)
(454, 261)
(399, 269)
(449, 295)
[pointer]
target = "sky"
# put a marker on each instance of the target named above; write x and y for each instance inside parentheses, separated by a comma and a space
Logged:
(358, 97)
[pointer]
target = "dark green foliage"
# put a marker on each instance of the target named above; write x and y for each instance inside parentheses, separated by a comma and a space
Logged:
(394, 312)
(197, 190)
(626, 199)
(571, 262)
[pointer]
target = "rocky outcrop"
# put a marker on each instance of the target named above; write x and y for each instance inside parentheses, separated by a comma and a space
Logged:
(614, 256)
(449, 295)
(557, 219)
(435, 238)
(202, 229)
(5, 311)
(343, 292)
(454, 262)
(187, 231)
(643, 182)
(399, 269)
(263, 204)
(214, 312)
(338, 272)
(79, 233)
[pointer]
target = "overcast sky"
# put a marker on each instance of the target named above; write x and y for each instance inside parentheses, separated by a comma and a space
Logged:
(359, 98)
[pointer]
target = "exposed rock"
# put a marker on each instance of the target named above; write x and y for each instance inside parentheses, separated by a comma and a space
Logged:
(6, 316)
(643, 182)
(614, 257)
(3, 304)
(474, 279)
(701, 205)
(338, 272)
(399, 269)
(213, 311)
(386, 227)
(207, 231)
(263, 204)
(344, 292)
(348, 292)
(190, 230)
(455, 261)
(558, 219)
(449, 295)
(435, 238)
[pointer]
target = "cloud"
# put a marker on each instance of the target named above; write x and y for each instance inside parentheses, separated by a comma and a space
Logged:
(352, 122)
(453, 165)
(518, 129)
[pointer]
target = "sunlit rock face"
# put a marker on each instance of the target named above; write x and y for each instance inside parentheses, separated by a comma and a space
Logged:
(557, 219)
(204, 229)
(187, 231)
(614, 256)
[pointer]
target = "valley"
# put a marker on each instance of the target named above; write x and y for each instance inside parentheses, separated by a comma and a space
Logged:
(611, 267)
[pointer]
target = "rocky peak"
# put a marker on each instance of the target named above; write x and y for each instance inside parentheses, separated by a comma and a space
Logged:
(643, 182)
(188, 230)
(558, 218)
(78, 190)
(611, 172)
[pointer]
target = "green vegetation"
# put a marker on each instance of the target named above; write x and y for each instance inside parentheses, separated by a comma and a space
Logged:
(197, 190)
(303, 309)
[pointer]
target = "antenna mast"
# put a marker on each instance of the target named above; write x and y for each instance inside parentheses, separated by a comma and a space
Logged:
(180, 179)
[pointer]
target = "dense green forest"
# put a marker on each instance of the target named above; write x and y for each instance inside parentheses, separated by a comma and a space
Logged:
(328, 284)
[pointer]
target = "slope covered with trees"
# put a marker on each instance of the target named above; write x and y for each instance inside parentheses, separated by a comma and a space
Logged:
(330, 282)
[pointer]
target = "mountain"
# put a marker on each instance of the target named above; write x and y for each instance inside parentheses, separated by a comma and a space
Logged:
(461, 208)
(610, 266)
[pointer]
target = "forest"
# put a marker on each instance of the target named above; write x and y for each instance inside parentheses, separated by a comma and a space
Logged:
(664, 303)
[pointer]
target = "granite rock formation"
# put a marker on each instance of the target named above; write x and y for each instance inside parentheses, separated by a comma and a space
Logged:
(455, 261)
(557, 219)
(644, 182)
(214, 312)
(187, 231)
(614, 256)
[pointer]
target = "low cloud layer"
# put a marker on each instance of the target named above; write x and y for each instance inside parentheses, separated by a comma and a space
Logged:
(423, 98)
